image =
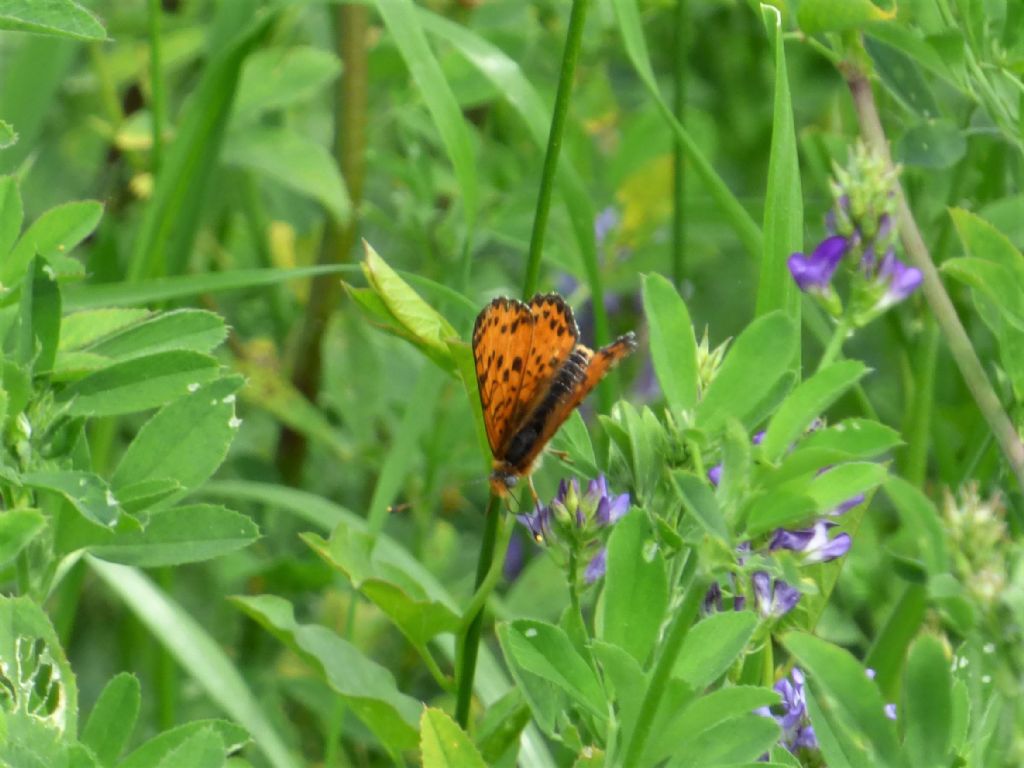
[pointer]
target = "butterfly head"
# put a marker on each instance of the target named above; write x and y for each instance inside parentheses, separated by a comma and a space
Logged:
(503, 478)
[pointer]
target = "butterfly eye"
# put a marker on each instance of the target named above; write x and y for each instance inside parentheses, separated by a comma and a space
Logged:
(510, 480)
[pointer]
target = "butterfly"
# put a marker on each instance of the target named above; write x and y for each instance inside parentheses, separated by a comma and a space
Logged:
(531, 372)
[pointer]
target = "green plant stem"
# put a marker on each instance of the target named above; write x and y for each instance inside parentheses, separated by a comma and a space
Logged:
(662, 672)
(915, 459)
(485, 587)
(834, 348)
(157, 98)
(570, 56)
(470, 643)
(351, 23)
(680, 30)
(941, 305)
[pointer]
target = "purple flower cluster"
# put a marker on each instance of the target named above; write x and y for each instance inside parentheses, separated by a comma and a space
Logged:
(791, 714)
(864, 232)
(775, 598)
(577, 518)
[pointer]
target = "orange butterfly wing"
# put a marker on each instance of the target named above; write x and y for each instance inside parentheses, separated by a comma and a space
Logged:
(502, 339)
(555, 335)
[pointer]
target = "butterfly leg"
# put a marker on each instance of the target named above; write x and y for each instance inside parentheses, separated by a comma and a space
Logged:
(563, 455)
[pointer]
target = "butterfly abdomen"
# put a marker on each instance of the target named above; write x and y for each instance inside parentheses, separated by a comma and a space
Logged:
(566, 381)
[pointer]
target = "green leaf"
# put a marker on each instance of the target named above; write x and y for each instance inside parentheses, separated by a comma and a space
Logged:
(815, 16)
(88, 493)
(426, 324)
(700, 501)
(186, 534)
(842, 483)
(18, 527)
(921, 524)
(982, 240)
(80, 329)
(673, 346)
(889, 647)
(443, 744)
(418, 617)
(40, 317)
(54, 233)
(188, 329)
(402, 21)
(712, 646)
(8, 138)
(172, 215)
(848, 439)
(40, 684)
(546, 651)
(624, 681)
(62, 18)
(500, 728)
(184, 441)
(10, 214)
(113, 717)
(757, 361)
(368, 688)
(777, 509)
(935, 144)
(725, 705)
(294, 161)
(783, 200)
(277, 77)
(928, 709)
(807, 402)
(902, 77)
(139, 384)
(636, 588)
(203, 749)
(736, 740)
(844, 690)
(157, 748)
(996, 282)
(198, 653)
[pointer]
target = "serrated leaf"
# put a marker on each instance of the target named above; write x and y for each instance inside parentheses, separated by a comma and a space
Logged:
(636, 588)
(443, 744)
(808, 401)
(712, 645)
(112, 719)
(368, 688)
(60, 18)
(152, 752)
(139, 384)
(80, 329)
(184, 329)
(185, 441)
(88, 493)
(55, 232)
(186, 534)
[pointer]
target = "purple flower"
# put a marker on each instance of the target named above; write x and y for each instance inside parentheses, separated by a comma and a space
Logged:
(715, 475)
(608, 509)
(606, 221)
(846, 506)
(596, 567)
(814, 273)
(900, 279)
(791, 713)
(774, 598)
(813, 543)
(538, 524)
(514, 557)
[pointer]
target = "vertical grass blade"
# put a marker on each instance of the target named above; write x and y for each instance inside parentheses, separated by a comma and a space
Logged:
(783, 209)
